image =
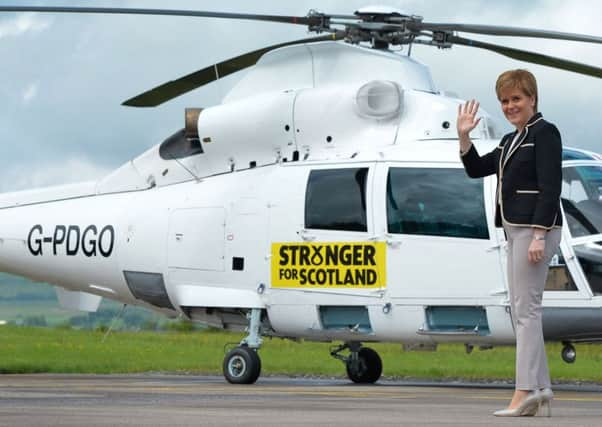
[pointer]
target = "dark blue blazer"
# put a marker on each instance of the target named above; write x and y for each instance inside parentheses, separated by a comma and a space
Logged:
(529, 175)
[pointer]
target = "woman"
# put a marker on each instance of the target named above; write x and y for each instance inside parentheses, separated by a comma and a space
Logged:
(527, 163)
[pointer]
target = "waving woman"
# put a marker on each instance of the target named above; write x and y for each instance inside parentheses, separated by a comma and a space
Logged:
(527, 163)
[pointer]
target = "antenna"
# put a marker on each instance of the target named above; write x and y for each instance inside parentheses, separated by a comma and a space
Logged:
(113, 323)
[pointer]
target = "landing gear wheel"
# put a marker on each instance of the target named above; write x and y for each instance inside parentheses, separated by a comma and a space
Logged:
(569, 354)
(366, 368)
(242, 366)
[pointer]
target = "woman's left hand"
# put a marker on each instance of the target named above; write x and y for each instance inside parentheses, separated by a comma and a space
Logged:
(536, 251)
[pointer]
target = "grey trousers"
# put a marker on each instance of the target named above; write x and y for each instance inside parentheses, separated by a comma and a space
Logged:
(526, 284)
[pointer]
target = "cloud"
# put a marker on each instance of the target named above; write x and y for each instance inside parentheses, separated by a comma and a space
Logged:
(71, 170)
(24, 23)
(61, 92)
(30, 92)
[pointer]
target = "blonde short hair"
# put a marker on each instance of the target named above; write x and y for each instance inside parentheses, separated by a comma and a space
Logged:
(517, 79)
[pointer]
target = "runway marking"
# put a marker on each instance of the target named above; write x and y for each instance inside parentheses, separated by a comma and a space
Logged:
(41, 395)
(352, 394)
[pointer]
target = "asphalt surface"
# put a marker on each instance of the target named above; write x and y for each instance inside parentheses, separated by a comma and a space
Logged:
(169, 400)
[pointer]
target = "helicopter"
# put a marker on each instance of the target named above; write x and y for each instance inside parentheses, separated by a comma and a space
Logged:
(323, 199)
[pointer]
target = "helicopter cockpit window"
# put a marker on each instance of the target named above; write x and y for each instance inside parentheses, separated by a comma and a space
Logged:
(582, 199)
(336, 199)
(568, 154)
(435, 202)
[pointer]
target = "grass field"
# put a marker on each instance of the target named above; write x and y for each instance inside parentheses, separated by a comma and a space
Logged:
(29, 350)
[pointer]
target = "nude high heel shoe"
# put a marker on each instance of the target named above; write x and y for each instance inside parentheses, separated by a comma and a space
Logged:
(528, 407)
(546, 396)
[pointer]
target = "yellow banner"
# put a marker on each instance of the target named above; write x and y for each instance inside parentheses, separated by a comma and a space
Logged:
(327, 265)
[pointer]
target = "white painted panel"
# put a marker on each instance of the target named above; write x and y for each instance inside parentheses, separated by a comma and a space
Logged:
(256, 130)
(196, 238)
(400, 323)
(125, 178)
(301, 320)
(343, 126)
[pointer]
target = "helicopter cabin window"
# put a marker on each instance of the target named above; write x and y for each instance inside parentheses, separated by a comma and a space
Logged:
(336, 199)
(435, 202)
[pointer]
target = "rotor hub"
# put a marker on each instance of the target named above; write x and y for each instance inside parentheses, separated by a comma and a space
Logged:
(380, 26)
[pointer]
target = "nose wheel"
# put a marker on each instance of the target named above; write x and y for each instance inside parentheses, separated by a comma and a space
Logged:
(242, 365)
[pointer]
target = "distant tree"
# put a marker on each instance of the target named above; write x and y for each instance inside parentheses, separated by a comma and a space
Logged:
(64, 325)
(35, 321)
(151, 325)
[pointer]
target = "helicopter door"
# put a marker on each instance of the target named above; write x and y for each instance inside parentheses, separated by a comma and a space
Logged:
(573, 293)
(576, 270)
(441, 241)
(327, 215)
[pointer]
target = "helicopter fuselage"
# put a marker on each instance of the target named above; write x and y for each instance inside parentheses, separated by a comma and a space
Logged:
(322, 252)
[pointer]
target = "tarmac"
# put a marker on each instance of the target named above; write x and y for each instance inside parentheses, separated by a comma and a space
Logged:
(174, 400)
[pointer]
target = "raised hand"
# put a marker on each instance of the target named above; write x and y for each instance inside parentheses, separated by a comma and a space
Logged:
(467, 120)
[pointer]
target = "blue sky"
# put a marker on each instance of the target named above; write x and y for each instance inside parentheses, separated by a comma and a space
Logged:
(63, 77)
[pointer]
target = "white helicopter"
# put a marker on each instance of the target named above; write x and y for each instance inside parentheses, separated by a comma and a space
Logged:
(324, 199)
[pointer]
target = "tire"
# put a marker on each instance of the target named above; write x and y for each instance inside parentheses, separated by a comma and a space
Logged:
(368, 368)
(242, 366)
(569, 354)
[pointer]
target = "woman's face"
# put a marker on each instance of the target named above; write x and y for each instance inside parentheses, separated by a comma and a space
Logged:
(517, 106)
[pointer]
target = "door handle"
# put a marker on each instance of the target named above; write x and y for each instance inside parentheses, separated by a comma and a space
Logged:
(497, 247)
(391, 242)
(306, 236)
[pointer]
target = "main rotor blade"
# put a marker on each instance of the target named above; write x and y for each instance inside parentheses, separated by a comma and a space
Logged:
(301, 20)
(175, 88)
(495, 30)
(535, 58)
